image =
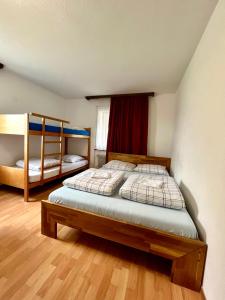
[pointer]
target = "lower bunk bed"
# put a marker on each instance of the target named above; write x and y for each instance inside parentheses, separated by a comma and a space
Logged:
(169, 233)
(67, 168)
(14, 176)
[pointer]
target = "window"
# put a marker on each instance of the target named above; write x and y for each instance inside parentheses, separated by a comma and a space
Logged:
(102, 127)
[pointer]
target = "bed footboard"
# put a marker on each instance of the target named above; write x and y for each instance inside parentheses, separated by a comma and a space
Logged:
(12, 176)
(187, 255)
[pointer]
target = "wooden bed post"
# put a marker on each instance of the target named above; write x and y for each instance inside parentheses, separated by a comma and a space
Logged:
(48, 225)
(89, 148)
(26, 158)
(61, 147)
(42, 149)
(66, 145)
(188, 269)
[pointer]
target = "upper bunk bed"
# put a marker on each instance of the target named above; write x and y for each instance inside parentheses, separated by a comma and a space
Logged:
(23, 124)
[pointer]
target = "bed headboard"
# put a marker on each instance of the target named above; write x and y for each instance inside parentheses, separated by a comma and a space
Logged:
(141, 159)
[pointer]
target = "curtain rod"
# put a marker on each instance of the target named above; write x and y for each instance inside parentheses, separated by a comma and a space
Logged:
(150, 94)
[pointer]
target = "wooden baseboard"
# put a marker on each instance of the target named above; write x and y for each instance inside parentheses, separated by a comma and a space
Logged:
(203, 294)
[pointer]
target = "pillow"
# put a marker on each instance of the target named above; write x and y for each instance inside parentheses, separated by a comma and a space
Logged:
(119, 165)
(72, 158)
(35, 163)
(77, 128)
(151, 169)
(168, 195)
(101, 186)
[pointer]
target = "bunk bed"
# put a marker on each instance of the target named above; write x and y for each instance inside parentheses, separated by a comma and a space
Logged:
(23, 125)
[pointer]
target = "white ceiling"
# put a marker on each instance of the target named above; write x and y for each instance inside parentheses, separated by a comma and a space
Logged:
(87, 47)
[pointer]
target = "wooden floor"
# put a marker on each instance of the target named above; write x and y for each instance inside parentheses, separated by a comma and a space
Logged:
(33, 266)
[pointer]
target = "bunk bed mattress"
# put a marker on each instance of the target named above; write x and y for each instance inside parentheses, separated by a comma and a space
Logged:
(57, 129)
(35, 176)
(173, 221)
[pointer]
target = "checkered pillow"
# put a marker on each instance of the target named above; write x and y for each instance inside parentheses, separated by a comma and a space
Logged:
(168, 195)
(119, 165)
(103, 186)
(151, 169)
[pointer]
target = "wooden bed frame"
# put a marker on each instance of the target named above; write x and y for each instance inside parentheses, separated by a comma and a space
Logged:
(18, 124)
(187, 255)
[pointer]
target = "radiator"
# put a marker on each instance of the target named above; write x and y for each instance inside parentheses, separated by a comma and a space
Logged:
(100, 157)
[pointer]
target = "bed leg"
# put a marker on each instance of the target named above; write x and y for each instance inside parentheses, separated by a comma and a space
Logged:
(48, 224)
(188, 270)
(26, 194)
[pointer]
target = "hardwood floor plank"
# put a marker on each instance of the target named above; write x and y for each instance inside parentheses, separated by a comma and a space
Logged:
(75, 266)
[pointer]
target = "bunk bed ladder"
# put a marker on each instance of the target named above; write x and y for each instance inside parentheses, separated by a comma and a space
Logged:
(44, 142)
(61, 147)
(42, 149)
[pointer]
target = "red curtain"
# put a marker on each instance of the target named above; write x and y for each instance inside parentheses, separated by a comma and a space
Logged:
(128, 125)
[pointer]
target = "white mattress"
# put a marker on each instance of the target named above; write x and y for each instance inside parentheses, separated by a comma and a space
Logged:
(35, 176)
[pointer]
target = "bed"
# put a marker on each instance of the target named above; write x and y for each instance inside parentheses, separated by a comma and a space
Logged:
(165, 232)
(24, 125)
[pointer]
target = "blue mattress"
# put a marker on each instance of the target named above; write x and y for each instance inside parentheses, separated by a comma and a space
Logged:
(57, 129)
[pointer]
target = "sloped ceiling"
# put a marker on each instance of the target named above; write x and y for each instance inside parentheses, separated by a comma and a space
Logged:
(82, 47)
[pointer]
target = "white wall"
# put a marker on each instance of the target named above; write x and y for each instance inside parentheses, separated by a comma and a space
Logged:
(162, 116)
(18, 95)
(162, 111)
(199, 147)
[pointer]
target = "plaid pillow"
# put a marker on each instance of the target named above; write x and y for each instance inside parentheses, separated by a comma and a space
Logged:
(103, 186)
(119, 165)
(151, 169)
(168, 195)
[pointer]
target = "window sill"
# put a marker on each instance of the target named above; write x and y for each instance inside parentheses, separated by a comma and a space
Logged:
(99, 150)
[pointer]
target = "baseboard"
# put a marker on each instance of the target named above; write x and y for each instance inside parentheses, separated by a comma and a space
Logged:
(203, 294)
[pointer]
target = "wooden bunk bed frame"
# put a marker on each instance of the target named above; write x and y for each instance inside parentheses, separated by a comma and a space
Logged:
(18, 124)
(187, 255)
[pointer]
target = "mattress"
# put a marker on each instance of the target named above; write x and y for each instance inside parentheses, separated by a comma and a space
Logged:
(35, 176)
(173, 221)
(57, 129)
